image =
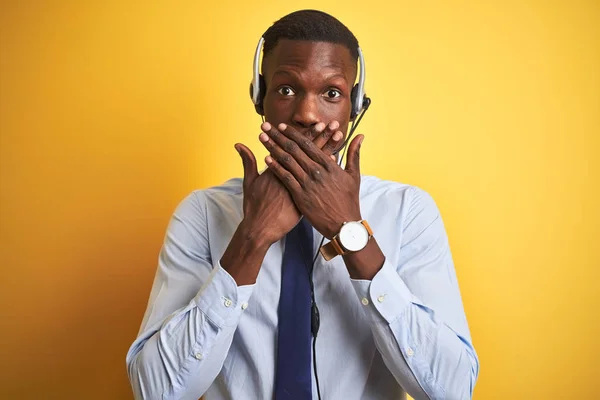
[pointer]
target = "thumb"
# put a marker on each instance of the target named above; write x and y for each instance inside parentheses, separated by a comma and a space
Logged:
(353, 159)
(249, 162)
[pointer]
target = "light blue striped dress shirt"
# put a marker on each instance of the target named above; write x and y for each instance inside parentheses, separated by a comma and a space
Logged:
(404, 331)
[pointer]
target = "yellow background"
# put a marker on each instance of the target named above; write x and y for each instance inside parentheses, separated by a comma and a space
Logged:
(111, 113)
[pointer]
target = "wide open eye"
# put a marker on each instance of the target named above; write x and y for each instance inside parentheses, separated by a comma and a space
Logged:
(286, 91)
(333, 94)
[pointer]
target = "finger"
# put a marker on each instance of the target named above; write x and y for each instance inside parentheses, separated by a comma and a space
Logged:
(285, 176)
(290, 147)
(316, 131)
(334, 143)
(249, 163)
(306, 145)
(284, 156)
(324, 132)
(353, 160)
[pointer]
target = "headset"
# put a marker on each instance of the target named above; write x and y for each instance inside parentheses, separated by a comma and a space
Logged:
(360, 103)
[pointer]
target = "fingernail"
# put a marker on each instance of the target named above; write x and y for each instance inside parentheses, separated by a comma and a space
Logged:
(263, 137)
(265, 126)
(338, 135)
(333, 125)
(320, 127)
(361, 140)
(237, 149)
(282, 127)
(268, 159)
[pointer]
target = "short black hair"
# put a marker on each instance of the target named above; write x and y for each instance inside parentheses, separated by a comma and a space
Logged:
(311, 25)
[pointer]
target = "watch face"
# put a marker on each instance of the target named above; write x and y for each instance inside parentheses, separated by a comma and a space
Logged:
(354, 236)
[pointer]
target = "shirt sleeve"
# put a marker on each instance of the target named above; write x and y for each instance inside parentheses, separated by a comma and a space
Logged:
(192, 314)
(416, 311)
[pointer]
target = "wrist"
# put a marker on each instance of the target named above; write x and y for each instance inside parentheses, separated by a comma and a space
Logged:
(337, 225)
(253, 235)
(244, 255)
(353, 237)
(365, 264)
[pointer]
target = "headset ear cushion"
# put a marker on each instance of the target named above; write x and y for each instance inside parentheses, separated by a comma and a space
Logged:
(262, 90)
(353, 94)
(251, 92)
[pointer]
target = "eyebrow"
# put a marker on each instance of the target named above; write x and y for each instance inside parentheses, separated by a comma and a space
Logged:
(294, 75)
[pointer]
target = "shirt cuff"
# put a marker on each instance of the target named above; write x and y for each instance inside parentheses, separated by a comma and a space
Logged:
(220, 298)
(386, 296)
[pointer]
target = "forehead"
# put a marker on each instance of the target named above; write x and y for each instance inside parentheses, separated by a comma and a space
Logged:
(303, 56)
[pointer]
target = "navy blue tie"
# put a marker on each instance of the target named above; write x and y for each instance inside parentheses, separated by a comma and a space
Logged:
(293, 379)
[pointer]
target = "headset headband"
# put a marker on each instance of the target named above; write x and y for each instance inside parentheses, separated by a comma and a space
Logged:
(256, 76)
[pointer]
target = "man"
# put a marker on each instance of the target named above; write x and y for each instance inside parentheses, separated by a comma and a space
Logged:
(233, 309)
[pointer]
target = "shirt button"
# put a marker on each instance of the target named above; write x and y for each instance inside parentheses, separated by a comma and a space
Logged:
(227, 303)
(381, 298)
(198, 356)
(410, 352)
(244, 306)
(365, 301)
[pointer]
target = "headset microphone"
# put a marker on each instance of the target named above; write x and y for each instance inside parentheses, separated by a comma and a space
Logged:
(366, 104)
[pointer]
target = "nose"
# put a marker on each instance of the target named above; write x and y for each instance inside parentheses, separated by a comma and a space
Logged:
(306, 113)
